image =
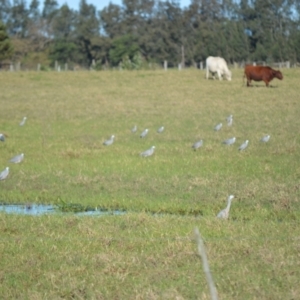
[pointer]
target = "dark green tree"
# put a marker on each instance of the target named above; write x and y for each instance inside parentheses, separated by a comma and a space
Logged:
(87, 28)
(5, 11)
(122, 47)
(18, 22)
(6, 49)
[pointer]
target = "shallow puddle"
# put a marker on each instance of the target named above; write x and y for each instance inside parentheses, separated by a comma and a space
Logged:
(40, 209)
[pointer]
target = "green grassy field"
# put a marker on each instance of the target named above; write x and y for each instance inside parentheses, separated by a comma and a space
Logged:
(253, 255)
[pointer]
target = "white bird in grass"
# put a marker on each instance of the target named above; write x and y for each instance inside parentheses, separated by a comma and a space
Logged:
(218, 127)
(161, 129)
(144, 133)
(109, 141)
(229, 141)
(4, 173)
(22, 123)
(148, 152)
(197, 145)
(17, 159)
(2, 137)
(265, 138)
(224, 214)
(244, 146)
(229, 120)
(134, 129)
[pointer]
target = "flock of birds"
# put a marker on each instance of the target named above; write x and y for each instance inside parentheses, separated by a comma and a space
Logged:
(223, 214)
(16, 159)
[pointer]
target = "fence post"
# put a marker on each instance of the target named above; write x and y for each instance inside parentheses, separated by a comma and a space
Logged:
(201, 65)
(202, 253)
(38, 68)
(288, 64)
(11, 67)
(179, 66)
(165, 65)
(254, 63)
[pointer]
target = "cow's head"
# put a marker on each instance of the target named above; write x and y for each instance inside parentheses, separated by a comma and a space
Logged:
(277, 74)
(228, 75)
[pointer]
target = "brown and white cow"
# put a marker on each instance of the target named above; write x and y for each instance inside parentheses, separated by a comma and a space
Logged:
(261, 73)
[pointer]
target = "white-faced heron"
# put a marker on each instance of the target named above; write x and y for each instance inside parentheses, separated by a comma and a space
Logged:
(161, 129)
(218, 127)
(134, 129)
(224, 214)
(229, 120)
(244, 146)
(197, 144)
(265, 138)
(109, 141)
(22, 123)
(229, 141)
(148, 152)
(17, 159)
(4, 173)
(144, 133)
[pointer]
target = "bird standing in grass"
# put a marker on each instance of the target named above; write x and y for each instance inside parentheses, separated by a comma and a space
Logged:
(17, 159)
(224, 214)
(161, 129)
(2, 137)
(197, 145)
(229, 141)
(265, 138)
(144, 133)
(22, 123)
(109, 141)
(134, 129)
(4, 173)
(244, 146)
(229, 120)
(148, 152)
(218, 127)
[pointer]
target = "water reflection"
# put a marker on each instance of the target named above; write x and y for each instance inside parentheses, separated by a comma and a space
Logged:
(40, 209)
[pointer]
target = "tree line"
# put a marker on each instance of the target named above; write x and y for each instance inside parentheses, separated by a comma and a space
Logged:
(149, 31)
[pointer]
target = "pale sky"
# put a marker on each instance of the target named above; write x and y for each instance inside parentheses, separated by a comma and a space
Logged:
(100, 4)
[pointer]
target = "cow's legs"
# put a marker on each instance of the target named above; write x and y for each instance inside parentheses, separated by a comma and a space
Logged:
(248, 82)
(219, 75)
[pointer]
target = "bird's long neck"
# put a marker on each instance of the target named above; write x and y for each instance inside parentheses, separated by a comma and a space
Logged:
(228, 205)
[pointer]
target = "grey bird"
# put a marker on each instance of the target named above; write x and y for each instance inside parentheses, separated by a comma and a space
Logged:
(224, 214)
(229, 120)
(218, 127)
(197, 145)
(2, 137)
(22, 123)
(109, 141)
(148, 152)
(244, 146)
(161, 129)
(4, 173)
(17, 159)
(134, 129)
(144, 133)
(229, 141)
(265, 138)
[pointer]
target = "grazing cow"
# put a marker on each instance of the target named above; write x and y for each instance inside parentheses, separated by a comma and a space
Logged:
(261, 73)
(217, 65)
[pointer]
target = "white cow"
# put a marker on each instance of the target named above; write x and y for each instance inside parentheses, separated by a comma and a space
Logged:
(217, 65)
